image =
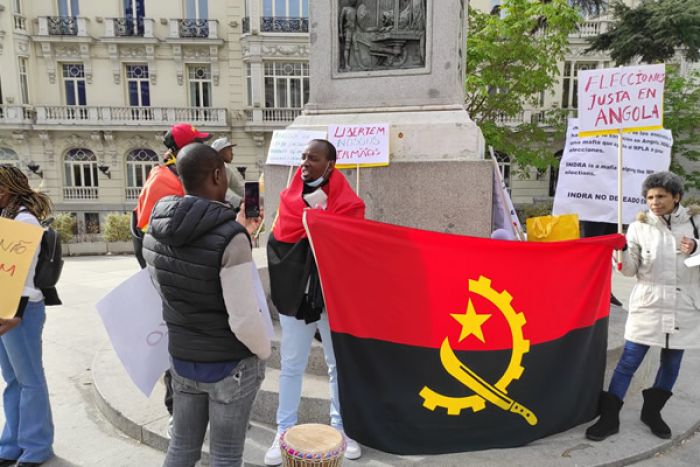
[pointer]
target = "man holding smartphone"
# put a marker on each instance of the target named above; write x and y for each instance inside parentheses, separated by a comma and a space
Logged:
(295, 286)
(200, 260)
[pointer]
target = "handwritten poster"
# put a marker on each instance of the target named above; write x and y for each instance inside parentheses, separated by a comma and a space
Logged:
(286, 146)
(587, 182)
(366, 145)
(628, 99)
(18, 243)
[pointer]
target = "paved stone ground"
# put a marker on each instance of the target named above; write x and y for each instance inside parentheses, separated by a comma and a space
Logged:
(74, 334)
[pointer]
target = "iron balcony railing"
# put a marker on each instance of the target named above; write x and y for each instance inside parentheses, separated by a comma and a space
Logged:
(284, 24)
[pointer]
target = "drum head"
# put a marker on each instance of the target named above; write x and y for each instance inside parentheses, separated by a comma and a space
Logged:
(313, 439)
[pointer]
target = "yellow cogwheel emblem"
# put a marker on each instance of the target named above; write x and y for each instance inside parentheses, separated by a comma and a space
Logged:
(484, 391)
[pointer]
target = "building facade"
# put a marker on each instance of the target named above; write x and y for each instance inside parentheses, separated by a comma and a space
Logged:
(88, 88)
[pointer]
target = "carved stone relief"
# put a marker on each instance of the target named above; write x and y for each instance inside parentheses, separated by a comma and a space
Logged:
(381, 34)
(285, 50)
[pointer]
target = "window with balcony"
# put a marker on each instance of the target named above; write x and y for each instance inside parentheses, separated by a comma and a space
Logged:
(81, 181)
(196, 21)
(285, 16)
(286, 84)
(19, 18)
(569, 92)
(74, 88)
(132, 22)
(65, 24)
(23, 80)
(139, 163)
(9, 157)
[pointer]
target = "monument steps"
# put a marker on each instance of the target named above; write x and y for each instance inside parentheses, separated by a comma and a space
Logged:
(145, 420)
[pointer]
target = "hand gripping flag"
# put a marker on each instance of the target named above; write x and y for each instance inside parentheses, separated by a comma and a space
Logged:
(447, 343)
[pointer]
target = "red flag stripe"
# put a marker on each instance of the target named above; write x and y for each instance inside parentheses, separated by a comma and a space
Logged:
(404, 285)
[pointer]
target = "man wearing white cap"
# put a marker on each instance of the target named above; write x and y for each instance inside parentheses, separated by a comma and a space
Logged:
(234, 193)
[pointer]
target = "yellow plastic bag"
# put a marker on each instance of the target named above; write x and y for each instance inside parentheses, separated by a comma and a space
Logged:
(553, 228)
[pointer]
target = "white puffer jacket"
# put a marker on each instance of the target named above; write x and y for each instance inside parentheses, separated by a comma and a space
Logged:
(664, 306)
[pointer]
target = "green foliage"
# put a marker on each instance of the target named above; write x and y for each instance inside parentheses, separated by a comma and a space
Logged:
(534, 210)
(653, 31)
(682, 117)
(511, 60)
(116, 228)
(64, 224)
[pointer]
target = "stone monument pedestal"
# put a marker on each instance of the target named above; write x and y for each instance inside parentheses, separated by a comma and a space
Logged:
(399, 62)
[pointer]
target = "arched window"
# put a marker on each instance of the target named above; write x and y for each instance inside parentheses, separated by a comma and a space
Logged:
(504, 164)
(8, 156)
(81, 174)
(139, 163)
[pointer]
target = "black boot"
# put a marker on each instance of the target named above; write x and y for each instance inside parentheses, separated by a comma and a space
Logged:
(654, 401)
(609, 421)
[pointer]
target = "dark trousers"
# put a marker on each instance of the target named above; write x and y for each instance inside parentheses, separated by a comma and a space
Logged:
(596, 229)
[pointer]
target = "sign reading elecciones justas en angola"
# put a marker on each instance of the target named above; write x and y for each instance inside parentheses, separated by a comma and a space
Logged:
(621, 99)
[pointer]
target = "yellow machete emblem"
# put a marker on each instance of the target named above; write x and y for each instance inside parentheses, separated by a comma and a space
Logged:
(484, 391)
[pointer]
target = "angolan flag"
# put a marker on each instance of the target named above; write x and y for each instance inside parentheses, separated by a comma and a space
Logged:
(447, 343)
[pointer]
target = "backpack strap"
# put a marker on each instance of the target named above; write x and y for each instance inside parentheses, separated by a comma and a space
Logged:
(695, 228)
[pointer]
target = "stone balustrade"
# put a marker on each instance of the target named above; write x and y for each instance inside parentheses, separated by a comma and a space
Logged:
(119, 116)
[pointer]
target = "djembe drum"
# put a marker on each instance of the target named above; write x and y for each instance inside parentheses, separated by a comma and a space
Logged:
(312, 445)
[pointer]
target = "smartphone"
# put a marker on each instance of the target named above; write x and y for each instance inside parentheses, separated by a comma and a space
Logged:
(251, 199)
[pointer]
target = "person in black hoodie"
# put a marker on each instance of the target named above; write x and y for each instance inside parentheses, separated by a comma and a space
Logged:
(200, 260)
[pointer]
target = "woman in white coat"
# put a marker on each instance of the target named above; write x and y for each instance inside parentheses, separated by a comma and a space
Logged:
(664, 308)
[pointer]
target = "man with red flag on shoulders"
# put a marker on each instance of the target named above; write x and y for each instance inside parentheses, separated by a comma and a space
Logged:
(295, 286)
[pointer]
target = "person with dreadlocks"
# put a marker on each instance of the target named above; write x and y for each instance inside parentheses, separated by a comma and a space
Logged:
(27, 437)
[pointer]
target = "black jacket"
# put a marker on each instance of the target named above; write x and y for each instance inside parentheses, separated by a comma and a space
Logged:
(183, 249)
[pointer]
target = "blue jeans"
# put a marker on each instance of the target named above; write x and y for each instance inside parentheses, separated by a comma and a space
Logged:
(28, 431)
(225, 405)
(632, 357)
(296, 345)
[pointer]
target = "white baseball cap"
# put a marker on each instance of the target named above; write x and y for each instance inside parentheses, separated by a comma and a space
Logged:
(221, 143)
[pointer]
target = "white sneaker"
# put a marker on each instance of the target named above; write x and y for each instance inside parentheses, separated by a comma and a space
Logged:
(353, 450)
(169, 430)
(273, 456)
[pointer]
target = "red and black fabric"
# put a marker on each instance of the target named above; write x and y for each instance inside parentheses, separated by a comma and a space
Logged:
(290, 261)
(391, 293)
(342, 200)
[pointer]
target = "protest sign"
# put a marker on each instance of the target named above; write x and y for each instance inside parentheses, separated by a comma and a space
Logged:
(18, 243)
(621, 99)
(360, 145)
(587, 182)
(504, 214)
(132, 315)
(287, 145)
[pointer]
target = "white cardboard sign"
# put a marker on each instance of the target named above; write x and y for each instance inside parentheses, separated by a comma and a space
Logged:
(133, 317)
(286, 146)
(587, 183)
(625, 98)
(366, 145)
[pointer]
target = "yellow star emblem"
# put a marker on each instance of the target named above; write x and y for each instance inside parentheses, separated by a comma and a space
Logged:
(471, 323)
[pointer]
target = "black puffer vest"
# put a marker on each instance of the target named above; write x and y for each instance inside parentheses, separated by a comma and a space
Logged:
(183, 249)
